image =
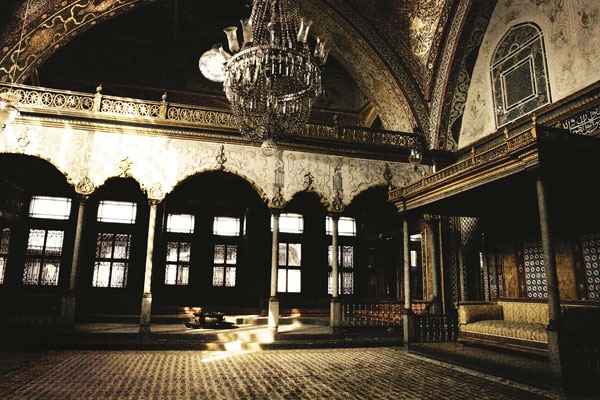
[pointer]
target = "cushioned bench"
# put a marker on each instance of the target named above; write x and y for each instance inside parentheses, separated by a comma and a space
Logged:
(508, 324)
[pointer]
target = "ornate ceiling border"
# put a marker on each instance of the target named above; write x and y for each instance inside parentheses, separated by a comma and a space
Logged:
(451, 92)
(49, 26)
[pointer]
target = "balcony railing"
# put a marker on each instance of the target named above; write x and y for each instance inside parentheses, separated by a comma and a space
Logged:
(487, 153)
(157, 113)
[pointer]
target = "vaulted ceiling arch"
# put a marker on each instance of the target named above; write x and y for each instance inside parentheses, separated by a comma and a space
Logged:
(400, 54)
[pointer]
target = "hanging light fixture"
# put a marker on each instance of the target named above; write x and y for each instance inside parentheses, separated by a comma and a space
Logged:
(273, 78)
(9, 99)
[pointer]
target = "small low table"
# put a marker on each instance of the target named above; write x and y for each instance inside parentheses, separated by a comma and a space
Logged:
(208, 319)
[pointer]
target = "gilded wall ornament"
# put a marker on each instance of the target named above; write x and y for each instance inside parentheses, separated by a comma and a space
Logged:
(84, 186)
(387, 175)
(337, 205)
(23, 141)
(277, 201)
(221, 158)
(155, 192)
(308, 182)
(125, 166)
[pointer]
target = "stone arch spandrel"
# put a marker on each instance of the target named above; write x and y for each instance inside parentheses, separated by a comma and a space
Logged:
(39, 143)
(327, 174)
(158, 163)
(49, 178)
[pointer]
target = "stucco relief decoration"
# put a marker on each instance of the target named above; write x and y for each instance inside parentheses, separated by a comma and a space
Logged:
(309, 181)
(387, 175)
(193, 157)
(279, 172)
(125, 167)
(221, 158)
(409, 174)
(299, 165)
(278, 201)
(361, 176)
(249, 163)
(155, 192)
(23, 141)
(337, 204)
(84, 186)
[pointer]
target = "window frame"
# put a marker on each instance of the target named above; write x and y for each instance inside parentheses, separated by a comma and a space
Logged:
(106, 225)
(47, 258)
(284, 269)
(227, 239)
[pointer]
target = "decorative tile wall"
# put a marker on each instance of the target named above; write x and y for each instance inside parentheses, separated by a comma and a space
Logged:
(591, 257)
(535, 274)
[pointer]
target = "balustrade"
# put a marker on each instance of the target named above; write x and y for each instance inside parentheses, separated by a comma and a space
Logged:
(100, 106)
(372, 314)
(435, 328)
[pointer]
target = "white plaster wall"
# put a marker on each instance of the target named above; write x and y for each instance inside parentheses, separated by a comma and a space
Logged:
(160, 163)
(571, 31)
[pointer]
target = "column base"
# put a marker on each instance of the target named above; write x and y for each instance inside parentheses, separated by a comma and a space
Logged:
(67, 311)
(145, 313)
(335, 313)
(273, 317)
(409, 331)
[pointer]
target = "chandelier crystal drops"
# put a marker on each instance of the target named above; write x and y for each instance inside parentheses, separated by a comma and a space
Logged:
(273, 79)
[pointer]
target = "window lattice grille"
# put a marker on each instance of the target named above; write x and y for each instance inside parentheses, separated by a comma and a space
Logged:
(535, 275)
(43, 257)
(591, 257)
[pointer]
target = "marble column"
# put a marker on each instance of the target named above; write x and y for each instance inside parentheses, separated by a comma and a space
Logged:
(69, 301)
(273, 317)
(336, 308)
(147, 295)
(554, 315)
(436, 305)
(407, 304)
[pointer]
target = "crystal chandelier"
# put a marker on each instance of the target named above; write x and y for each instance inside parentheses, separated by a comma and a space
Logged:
(273, 79)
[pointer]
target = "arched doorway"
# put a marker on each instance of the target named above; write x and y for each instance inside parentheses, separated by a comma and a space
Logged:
(37, 225)
(213, 249)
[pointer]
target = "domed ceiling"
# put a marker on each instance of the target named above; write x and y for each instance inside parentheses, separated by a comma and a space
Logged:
(398, 65)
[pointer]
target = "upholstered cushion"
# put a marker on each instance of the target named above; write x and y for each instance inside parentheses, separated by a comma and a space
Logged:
(478, 312)
(515, 311)
(516, 330)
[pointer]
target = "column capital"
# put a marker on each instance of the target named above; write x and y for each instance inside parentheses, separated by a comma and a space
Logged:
(337, 204)
(154, 202)
(278, 201)
(429, 218)
(84, 187)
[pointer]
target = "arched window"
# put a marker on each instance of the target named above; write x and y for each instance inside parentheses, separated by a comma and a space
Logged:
(519, 73)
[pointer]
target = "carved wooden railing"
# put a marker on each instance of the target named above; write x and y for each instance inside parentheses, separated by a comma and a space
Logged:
(435, 328)
(486, 153)
(157, 113)
(372, 314)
